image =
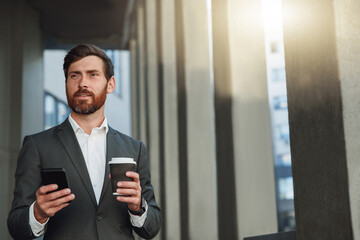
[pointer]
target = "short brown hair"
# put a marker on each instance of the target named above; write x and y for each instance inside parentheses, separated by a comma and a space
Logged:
(84, 50)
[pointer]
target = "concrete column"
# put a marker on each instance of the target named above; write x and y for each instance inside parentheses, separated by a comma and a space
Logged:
(171, 178)
(319, 161)
(10, 107)
(134, 82)
(227, 217)
(153, 94)
(254, 165)
(33, 75)
(347, 23)
(141, 71)
(201, 164)
(182, 119)
(20, 50)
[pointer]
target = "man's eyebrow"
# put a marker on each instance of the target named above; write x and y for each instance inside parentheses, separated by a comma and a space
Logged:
(90, 71)
(78, 72)
(87, 71)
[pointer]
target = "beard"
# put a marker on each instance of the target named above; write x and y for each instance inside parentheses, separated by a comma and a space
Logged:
(87, 106)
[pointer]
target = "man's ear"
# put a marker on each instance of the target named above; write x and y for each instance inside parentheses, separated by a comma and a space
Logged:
(111, 85)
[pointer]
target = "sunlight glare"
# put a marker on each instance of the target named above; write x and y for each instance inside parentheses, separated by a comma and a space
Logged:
(272, 13)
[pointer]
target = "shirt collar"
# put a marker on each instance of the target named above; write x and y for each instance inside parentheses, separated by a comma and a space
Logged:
(77, 128)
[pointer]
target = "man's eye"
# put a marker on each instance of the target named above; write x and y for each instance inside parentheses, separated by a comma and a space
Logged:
(94, 74)
(74, 76)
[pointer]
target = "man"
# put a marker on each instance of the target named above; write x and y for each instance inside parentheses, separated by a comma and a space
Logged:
(83, 145)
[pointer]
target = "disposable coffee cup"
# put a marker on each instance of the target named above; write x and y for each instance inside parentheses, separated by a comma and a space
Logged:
(118, 168)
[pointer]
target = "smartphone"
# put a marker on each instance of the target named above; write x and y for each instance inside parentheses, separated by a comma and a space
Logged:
(55, 176)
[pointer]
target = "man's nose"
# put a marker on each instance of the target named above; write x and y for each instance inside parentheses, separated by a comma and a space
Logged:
(84, 82)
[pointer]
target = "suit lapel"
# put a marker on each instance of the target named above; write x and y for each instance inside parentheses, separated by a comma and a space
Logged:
(68, 139)
(111, 151)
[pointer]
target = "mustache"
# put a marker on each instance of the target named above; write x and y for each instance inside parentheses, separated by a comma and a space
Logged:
(82, 91)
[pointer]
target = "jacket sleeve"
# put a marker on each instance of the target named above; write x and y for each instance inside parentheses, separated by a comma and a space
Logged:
(153, 221)
(28, 180)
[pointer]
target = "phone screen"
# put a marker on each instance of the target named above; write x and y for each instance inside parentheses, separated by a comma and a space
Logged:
(55, 176)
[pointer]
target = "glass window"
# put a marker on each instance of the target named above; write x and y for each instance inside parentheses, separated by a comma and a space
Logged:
(50, 111)
(279, 114)
(63, 112)
(286, 188)
(287, 219)
(275, 46)
(283, 159)
(56, 111)
(278, 74)
(282, 133)
(114, 55)
(280, 102)
(110, 54)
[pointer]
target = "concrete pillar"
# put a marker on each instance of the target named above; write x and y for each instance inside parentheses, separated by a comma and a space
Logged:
(20, 50)
(147, 89)
(141, 71)
(10, 107)
(201, 160)
(254, 165)
(227, 217)
(33, 75)
(347, 23)
(134, 85)
(182, 119)
(171, 178)
(319, 161)
(153, 95)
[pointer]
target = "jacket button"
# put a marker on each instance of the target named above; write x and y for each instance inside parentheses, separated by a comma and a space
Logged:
(99, 217)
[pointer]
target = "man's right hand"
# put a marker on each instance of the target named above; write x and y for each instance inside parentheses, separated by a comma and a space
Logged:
(47, 204)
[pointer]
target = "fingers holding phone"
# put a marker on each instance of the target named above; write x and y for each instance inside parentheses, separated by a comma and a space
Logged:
(54, 195)
(49, 201)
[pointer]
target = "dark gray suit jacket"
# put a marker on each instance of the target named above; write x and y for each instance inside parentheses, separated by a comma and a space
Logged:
(83, 218)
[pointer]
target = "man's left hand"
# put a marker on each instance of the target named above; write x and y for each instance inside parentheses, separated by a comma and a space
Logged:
(131, 190)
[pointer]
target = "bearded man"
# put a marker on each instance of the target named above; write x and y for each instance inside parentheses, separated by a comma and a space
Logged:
(83, 145)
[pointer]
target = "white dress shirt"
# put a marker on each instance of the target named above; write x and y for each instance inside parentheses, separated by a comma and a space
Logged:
(93, 148)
